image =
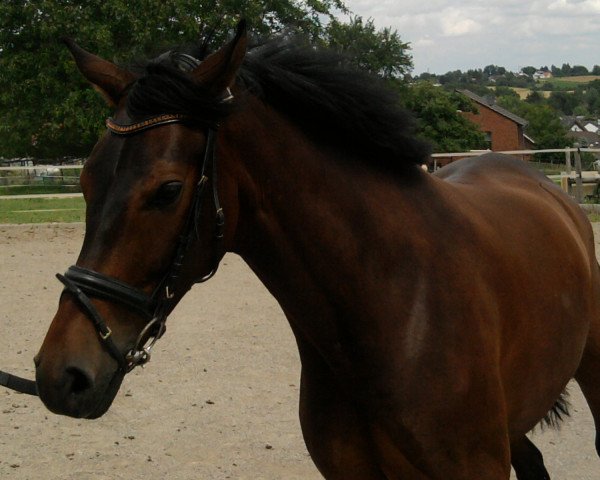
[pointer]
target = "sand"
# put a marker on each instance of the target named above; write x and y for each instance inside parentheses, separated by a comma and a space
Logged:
(219, 399)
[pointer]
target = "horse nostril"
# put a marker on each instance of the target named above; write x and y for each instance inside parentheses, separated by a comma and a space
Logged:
(79, 381)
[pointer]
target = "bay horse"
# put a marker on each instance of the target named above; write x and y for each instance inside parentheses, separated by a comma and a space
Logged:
(438, 318)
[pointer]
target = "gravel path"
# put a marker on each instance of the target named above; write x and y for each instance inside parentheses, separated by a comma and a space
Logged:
(218, 401)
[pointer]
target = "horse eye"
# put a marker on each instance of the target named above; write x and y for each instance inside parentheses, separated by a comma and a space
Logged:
(166, 194)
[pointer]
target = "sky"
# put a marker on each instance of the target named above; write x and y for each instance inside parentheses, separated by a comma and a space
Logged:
(458, 35)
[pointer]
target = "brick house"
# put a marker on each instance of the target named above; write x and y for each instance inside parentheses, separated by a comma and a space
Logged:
(503, 129)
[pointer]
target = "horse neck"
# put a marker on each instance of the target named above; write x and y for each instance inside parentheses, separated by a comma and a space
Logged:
(305, 217)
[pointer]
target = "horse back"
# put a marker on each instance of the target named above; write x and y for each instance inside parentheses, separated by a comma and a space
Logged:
(502, 187)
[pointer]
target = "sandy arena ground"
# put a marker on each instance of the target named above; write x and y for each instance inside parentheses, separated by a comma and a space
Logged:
(218, 401)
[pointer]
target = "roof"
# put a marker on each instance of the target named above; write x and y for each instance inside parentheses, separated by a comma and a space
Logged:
(569, 122)
(492, 106)
(585, 138)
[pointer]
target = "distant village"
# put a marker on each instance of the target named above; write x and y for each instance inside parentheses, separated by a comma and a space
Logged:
(503, 98)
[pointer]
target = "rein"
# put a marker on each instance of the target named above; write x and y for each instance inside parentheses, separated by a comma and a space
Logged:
(84, 283)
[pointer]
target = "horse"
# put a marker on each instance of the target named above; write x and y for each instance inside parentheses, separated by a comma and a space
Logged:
(438, 318)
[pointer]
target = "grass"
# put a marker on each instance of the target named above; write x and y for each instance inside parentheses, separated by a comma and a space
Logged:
(548, 168)
(568, 83)
(594, 217)
(67, 210)
(580, 79)
(42, 210)
(38, 189)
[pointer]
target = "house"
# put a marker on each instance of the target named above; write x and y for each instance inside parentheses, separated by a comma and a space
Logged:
(542, 75)
(572, 124)
(584, 132)
(590, 126)
(584, 138)
(503, 129)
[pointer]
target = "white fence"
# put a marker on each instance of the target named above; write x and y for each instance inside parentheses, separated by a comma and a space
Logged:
(14, 179)
(573, 178)
(580, 184)
(567, 152)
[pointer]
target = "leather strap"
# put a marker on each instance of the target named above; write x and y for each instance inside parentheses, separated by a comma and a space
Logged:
(104, 332)
(18, 384)
(99, 285)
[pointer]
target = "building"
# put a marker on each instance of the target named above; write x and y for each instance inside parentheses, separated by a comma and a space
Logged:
(584, 132)
(542, 75)
(503, 129)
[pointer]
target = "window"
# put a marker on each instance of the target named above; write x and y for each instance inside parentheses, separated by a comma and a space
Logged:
(488, 139)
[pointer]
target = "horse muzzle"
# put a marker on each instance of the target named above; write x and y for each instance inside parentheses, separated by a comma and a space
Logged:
(76, 391)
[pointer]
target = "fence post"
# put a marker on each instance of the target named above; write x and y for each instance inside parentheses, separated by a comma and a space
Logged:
(578, 178)
(568, 161)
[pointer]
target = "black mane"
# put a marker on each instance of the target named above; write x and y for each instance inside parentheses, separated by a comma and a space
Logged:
(332, 102)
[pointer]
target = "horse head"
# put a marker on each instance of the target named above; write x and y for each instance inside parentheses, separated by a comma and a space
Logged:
(153, 227)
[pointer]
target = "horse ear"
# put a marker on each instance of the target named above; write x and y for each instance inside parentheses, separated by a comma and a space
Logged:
(110, 80)
(219, 69)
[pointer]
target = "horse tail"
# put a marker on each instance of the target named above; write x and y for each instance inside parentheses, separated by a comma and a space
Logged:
(558, 412)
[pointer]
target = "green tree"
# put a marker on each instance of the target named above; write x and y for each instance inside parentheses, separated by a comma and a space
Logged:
(439, 120)
(493, 70)
(564, 102)
(566, 69)
(535, 97)
(46, 108)
(544, 124)
(579, 70)
(529, 70)
(502, 91)
(381, 52)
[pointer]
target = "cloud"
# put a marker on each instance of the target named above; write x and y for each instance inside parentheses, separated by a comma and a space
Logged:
(425, 41)
(456, 22)
(448, 35)
(581, 7)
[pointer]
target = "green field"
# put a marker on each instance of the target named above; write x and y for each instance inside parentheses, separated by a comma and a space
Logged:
(42, 210)
(580, 79)
(567, 84)
(66, 210)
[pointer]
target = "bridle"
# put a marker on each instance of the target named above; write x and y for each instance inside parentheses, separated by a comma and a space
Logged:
(84, 283)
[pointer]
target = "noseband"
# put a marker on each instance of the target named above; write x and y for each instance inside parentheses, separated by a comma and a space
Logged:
(84, 283)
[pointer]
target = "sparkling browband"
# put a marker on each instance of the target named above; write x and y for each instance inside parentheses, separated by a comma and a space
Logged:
(131, 128)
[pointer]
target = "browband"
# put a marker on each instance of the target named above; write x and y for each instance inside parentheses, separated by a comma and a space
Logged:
(158, 120)
(131, 128)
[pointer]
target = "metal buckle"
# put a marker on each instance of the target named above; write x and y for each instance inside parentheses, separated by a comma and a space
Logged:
(228, 97)
(104, 336)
